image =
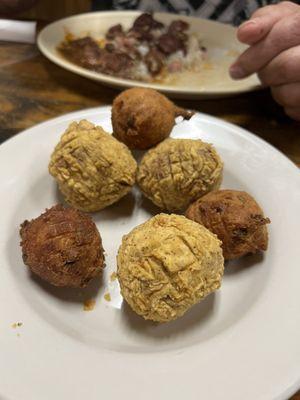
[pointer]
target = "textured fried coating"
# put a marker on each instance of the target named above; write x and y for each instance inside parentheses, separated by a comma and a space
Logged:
(143, 117)
(168, 264)
(63, 247)
(236, 218)
(178, 171)
(93, 170)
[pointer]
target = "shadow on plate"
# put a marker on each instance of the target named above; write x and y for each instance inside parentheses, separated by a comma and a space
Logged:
(59, 197)
(138, 155)
(196, 316)
(69, 294)
(242, 264)
(121, 209)
(148, 206)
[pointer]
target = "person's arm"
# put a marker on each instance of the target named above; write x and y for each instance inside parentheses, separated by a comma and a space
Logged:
(273, 33)
(11, 7)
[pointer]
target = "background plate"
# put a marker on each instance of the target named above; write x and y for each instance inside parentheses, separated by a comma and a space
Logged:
(220, 40)
(240, 343)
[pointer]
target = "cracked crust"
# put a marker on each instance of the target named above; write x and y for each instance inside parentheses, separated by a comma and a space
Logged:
(168, 264)
(63, 247)
(236, 218)
(178, 171)
(92, 169)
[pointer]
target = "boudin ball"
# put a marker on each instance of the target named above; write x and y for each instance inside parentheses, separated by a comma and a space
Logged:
(236, 218)
(178, 171)
(168, 264)
(93, 169)
(63, 247)
(142, 117)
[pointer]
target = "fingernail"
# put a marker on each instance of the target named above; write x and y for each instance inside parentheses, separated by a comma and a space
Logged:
(248, 23)
(237, 72)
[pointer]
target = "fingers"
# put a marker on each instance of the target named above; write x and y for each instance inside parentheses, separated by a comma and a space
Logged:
(284, 34)
(263, 20)
(287, 95)
(284, 68)
(294, 113)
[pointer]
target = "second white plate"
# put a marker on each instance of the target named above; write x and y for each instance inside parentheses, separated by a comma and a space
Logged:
(220, 40)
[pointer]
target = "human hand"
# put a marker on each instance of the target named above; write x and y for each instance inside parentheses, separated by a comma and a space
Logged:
(273, 34)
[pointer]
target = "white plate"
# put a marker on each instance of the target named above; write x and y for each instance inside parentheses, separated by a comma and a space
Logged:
(240, 343)
(220, 40)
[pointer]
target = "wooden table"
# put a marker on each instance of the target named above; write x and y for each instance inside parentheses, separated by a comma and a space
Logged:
(32, 90)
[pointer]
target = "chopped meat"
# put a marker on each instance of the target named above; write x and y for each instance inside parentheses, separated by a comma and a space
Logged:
(169, 44)
(141, 35)
(114, 64)
(142, 27)
(88, 54)
(177, 27)
(114, 31)
(140, 52)
(110, 47)
(154, 60)
(146, 22)
(84, 52)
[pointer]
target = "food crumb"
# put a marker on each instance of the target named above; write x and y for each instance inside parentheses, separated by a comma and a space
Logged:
(107, 297)
(18, 335)
(89, 305)
(113, 276)
(17, 325)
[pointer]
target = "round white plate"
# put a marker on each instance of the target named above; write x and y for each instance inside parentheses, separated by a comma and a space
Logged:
(240, 343)
(220, 40)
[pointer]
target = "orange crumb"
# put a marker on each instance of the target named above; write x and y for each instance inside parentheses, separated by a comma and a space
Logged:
(89, 305)
(107, 297)
(113, 276)
(17, 325)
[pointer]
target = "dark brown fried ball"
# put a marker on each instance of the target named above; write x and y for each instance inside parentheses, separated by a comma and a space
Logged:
(142, 117)
(235, 218)
(63, 247)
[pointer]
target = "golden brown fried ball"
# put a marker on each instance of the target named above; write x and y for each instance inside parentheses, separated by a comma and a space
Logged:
(142, 117)
(93, 170)
(235, 218)
(63, 247)
(179, 171)
(168, 264)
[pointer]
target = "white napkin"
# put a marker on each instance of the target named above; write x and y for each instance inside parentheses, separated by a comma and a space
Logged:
(17, 31)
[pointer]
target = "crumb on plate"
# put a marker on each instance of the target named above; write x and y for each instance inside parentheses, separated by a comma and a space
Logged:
(113, 276)
(89, 305)
(17, 325)
(107, 297)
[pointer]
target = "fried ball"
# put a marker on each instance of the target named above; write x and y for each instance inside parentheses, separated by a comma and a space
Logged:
(63, 247)
(168, 264)
(142, 117)
(93, 170)
(235, 218)
(179, 171)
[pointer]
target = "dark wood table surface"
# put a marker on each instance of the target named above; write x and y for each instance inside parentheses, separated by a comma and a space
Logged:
(32, 90)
